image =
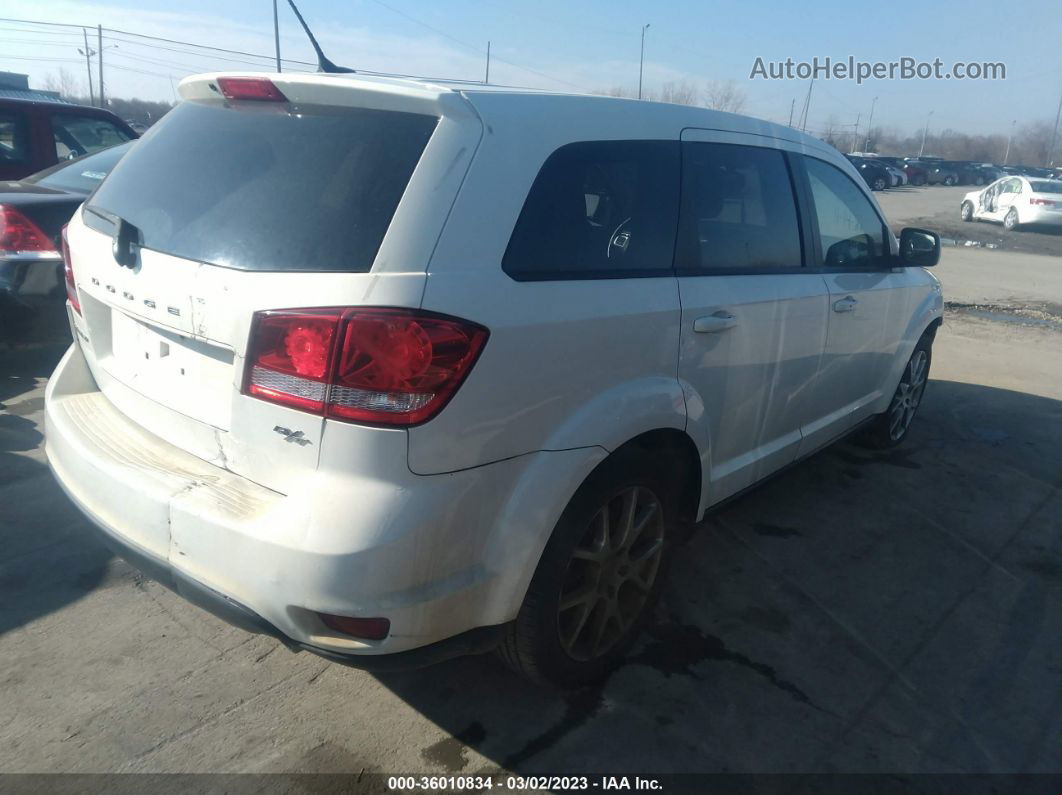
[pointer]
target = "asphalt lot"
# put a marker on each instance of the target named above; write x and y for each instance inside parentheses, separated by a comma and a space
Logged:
(864, 612)
(936, 207)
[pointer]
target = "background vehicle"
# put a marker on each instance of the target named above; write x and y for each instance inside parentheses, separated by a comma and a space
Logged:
(35, 135)
(32, 213)
(447, 407)
(970, 173)
(937, 172)
(1013, 200)
(876, 175)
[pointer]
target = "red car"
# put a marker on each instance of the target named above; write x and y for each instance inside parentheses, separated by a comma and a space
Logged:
(37, 134)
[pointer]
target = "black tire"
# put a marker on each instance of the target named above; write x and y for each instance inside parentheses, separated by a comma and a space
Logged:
(1010, 220)
(949, 181)
(878, 184)
(532, 645)
(966, 211)
(880, 434)
(979, 181)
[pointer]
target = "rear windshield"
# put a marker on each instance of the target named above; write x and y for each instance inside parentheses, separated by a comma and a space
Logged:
(83, 174)
(1046, 187)
(265, 187)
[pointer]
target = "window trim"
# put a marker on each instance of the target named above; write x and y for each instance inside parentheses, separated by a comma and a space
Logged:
(803, 228)
(818, 255)
(602, 273)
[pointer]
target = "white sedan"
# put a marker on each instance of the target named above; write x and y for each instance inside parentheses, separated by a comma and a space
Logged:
(1015, 200)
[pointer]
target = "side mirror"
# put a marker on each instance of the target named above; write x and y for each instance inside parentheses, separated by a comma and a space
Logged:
(919, 248)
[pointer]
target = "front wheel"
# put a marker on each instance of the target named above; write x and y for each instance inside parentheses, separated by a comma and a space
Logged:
(1010, 220)
(966, 211)
(598, 578)
(949, 181)
(879, 184)
(889, 429)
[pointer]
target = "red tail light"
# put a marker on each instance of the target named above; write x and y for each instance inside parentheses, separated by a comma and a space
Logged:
(371, 365)
(259, 89)
(68, 271)
(19, 233)
(1045, 202)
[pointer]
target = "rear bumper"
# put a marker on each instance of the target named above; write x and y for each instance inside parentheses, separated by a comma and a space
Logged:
(1031, 214)
(474, 641)
(446, 558)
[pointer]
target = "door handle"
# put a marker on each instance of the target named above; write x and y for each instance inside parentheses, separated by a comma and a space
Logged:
(846, 304)
(710, 324)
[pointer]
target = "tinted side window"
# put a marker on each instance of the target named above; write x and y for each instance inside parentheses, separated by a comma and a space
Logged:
(599, 209)
(738, 210)
(13, 139)
(82, 135)
(850, 230)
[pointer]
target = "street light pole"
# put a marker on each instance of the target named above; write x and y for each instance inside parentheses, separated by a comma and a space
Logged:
(276, 34)
(925, 129)
(99, 52)
(870, 123)
(88, 53)
(1010, 135)
(641, 60)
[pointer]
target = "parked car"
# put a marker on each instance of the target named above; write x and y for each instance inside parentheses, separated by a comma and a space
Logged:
(468, 399)
(32, 213)
(1013, 201)
(876, 175)
(916, 174)
(35, 135)
(970, 173)
(937, 172)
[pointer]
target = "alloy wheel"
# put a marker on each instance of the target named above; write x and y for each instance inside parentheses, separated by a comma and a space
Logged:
(611, 573)
(908, 395)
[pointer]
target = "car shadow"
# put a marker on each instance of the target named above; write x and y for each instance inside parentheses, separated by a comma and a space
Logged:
(865, 611)
(47, 560)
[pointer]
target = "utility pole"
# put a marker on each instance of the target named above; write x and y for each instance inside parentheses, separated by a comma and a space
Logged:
(641, 60)
(1054, 135)
(855, 132)
(88, 65)
(870, 123)
(486, 77)
(1010, 135)
(99, 54)
(925, 129)
(276, 34)
(807, 107)
(792, 107)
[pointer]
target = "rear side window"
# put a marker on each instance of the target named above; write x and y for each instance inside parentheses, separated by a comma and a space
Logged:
(599, 209)
(265, 188)
(14, 146)
(850, 230)
(76, 136)
(738, 210)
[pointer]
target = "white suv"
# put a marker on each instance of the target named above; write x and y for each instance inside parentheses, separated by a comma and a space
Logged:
(395, 371)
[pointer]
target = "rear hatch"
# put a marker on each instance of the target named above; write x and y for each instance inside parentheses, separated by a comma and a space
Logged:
(231, 206)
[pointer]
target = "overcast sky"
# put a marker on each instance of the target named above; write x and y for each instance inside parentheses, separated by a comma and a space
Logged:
(592, 44)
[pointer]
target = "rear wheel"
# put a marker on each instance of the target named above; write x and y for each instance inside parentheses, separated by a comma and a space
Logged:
(1010, 220)
(949, 181)
(889, 429)
(966, 211)
(598, 578)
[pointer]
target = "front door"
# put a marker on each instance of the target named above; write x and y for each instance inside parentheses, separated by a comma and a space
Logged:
(753, 320)
(867, 299)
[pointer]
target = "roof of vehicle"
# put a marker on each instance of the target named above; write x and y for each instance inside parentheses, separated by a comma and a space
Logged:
(29, 95)
(493, 102)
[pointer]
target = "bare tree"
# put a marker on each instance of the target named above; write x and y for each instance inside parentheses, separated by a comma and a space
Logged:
(68, 86)
(677, 93)
(724, 95)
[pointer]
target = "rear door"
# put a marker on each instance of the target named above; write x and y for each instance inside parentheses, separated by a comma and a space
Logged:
(227, 208)
(868, 300)
(753, 318)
